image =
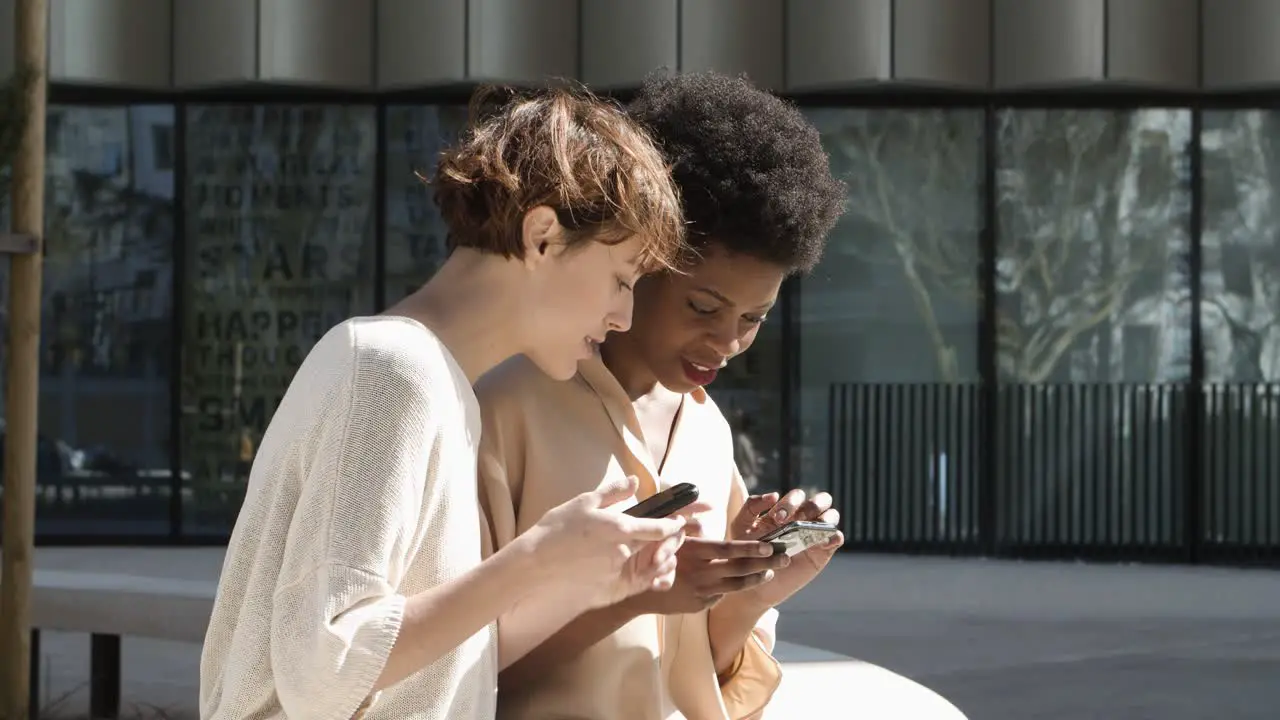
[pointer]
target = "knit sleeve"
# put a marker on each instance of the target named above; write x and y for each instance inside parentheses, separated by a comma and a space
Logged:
(336, 612)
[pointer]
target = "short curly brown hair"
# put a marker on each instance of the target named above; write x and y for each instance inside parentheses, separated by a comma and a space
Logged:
(564, 148)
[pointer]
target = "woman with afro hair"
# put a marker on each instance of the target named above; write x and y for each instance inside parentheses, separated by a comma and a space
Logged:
(759, 200)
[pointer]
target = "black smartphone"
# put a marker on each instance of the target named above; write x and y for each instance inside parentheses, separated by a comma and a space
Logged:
(662, 504)
(796, 537)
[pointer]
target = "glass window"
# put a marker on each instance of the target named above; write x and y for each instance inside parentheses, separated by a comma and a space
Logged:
(279, 248)
(1093, 331)
(416, 234)
(1241, 247)
(1093, 232)
(105, 334)
(895, 305)
(1240, 320)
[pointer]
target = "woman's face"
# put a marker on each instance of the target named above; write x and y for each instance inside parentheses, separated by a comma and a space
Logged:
(688, 326)
(582, 294)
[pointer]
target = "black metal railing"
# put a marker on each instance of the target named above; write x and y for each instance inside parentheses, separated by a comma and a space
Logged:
(904, 465)
(1069, 470)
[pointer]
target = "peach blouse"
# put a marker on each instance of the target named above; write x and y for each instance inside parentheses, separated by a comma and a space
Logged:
(546, 441)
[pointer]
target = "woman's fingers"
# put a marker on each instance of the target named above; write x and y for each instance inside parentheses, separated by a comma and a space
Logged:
(785, 510)
(641, 530)
(758, 504)
(665, 576)
(814, 507)
(705, 549)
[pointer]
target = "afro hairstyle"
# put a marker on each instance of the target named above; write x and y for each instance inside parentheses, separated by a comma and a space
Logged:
(752, 172)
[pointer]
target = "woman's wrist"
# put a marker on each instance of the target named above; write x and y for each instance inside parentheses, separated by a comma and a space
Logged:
(520, 564)
(632, 607)
(729, 627)
(742, 608)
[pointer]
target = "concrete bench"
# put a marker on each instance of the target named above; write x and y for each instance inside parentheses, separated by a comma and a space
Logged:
(109, 606)
(866, 691)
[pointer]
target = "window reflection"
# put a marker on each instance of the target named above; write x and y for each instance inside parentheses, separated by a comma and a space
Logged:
(105, 335)
(279, 249)
(416, 234)
(1094, 226)
(1093, 305)
(1241, 272)
(888, 326)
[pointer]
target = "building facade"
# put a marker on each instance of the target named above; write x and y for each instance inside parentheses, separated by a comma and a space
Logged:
(1048, 324)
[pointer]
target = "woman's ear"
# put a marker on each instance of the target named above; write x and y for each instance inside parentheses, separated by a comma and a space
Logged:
(539, 233)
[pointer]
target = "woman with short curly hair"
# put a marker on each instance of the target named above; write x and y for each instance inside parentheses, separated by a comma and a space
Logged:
(353, 582)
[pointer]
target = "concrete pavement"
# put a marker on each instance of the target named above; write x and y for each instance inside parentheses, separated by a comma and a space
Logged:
(1056, 641)
(1002, 640)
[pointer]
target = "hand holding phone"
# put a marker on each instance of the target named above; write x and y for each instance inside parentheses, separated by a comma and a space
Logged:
(711, 569)
(587, 543)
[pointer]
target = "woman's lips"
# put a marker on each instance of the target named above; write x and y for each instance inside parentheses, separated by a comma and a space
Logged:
(698, 373)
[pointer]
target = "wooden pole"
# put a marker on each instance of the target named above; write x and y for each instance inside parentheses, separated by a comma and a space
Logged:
(31, 21)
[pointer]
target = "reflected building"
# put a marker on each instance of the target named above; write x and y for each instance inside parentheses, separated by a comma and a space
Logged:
(1241, 315)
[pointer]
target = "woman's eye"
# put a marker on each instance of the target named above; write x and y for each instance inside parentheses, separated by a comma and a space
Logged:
(701, 310)
(755, 319)
(624, 285)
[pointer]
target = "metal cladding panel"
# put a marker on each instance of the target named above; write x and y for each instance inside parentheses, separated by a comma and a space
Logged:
(838, 43)
(522, 42)
(1153, 43)
(1241, 44)
(734, 37)
(421, 42)
(622, 42)
(123, 43)
(214, 43)
(1049, 44)
(943, 43)
(316, 42)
